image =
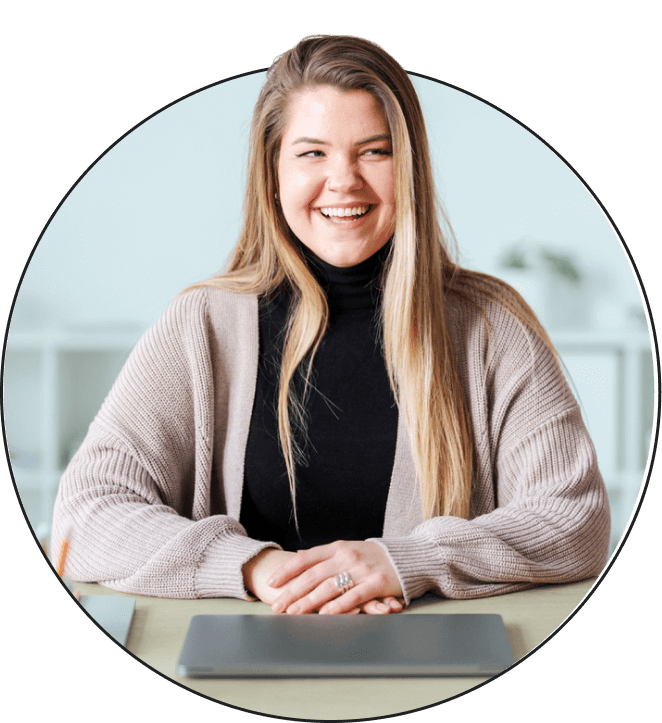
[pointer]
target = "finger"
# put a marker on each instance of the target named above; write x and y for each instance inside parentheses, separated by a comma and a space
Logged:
(393, 603)
(303, 560)
(305, 583)
(315, 599)
(327, 592)
(358, 595)
(376, 607)
(388, 604)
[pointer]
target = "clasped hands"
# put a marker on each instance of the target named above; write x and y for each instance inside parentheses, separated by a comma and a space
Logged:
(303, 582)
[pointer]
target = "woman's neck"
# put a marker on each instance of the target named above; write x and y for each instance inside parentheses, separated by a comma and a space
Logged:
(349, 287)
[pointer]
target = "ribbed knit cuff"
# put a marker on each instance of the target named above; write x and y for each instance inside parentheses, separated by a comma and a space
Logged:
(416, 562)
(220, 571)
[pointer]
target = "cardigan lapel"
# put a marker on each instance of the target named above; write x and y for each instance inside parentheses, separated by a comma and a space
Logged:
(235, 348)
(403, 505)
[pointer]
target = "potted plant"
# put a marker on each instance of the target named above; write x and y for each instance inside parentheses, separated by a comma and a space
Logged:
(549, 279)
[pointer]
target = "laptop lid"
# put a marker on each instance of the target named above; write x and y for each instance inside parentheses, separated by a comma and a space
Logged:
(256, 646)
(114, 614)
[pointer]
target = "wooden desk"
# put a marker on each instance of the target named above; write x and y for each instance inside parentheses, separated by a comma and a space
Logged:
(159, 628)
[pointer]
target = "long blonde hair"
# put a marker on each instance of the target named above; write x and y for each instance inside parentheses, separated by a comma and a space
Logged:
(419, 273)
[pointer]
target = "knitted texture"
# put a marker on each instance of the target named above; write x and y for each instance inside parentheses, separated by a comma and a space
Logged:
(153, 495)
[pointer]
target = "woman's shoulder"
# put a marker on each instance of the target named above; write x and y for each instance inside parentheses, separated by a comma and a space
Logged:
(200, 309)
(487, 317)
(502, 348)
(209, 297)
(476, 301)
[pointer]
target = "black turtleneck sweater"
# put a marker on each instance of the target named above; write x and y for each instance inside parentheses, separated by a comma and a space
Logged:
(343, 484)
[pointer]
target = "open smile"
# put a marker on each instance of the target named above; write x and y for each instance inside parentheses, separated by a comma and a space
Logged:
(347, 214)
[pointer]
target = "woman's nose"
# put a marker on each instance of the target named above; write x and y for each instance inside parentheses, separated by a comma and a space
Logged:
(344, 176)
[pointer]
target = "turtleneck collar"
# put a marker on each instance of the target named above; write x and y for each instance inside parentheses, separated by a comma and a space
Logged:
(350, 287)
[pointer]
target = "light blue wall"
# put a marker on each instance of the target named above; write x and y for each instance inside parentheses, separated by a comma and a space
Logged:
(500, 183)
(162, 208)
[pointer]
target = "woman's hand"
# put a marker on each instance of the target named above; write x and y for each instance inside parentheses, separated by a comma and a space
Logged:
(307, 583)
(259, 569)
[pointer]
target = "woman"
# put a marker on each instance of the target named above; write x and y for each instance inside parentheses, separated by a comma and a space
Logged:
(345, 419)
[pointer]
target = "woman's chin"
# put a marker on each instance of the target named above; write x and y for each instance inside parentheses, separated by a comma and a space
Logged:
(345, 253)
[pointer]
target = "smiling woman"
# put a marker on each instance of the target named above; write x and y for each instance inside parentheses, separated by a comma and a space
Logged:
(335, 175)
(345, 418)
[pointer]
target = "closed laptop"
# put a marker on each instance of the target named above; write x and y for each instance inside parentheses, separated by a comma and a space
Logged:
(256, 646)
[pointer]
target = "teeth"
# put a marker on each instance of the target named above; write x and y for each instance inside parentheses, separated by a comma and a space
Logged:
(356, 211)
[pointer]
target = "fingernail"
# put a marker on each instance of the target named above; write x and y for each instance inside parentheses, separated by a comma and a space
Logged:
(382, 606)
(277, 607)
(293, 609)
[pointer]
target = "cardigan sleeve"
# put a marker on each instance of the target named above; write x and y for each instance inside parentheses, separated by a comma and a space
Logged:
(135, 498)
(544, 513)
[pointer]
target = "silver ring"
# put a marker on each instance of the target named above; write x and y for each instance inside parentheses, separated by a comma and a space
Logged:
(344, 582)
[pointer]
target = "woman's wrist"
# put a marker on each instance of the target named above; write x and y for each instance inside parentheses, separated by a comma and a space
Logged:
(249, 567)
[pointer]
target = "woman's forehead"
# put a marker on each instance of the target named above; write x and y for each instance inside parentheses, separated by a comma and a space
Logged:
(323, 108)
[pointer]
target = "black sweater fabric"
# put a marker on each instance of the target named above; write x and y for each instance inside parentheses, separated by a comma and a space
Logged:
(343, 483)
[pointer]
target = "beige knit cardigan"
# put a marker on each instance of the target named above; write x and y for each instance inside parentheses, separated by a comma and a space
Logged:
(153, 496)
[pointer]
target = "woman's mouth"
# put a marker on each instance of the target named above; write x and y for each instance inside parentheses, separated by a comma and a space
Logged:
(345, 215)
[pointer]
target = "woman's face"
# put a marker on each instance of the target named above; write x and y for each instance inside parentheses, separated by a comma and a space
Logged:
(335, 174)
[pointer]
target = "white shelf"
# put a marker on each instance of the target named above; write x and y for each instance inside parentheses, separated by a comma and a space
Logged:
(35, 479)
(73, 340)
(636, 338)
(55, 349)
(630, 351)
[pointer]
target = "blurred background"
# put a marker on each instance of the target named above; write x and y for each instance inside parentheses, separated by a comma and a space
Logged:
(162, 209)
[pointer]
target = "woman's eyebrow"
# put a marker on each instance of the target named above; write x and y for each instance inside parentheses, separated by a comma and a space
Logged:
(372, 139)
(316, 141)
(306, 139)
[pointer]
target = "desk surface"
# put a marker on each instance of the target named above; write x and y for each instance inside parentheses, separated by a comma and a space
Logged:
(159, 628)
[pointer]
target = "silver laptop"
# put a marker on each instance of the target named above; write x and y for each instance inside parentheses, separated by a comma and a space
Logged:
(330, 646)
(113, 614)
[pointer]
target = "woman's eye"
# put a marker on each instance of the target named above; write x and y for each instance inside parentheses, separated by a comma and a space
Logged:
(369, 152)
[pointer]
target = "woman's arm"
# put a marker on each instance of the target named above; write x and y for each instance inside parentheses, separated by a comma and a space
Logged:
(540, 507)
(137, 495)
(551, 525)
